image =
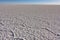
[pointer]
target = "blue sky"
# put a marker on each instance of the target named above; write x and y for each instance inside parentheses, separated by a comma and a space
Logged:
(20, 1)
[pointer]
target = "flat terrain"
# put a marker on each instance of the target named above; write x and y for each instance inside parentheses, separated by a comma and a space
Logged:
(29, 22)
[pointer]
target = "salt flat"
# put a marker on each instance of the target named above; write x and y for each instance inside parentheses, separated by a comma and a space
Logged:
(29, 22)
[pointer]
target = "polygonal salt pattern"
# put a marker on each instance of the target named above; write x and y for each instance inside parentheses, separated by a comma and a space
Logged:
(31, 32)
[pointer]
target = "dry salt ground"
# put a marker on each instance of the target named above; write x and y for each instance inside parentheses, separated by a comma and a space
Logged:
(29, 22)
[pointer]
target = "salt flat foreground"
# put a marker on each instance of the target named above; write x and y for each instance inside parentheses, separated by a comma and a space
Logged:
(29, 22)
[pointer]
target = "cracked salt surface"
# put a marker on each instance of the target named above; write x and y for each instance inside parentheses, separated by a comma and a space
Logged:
(26, 31)
(32, 27)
